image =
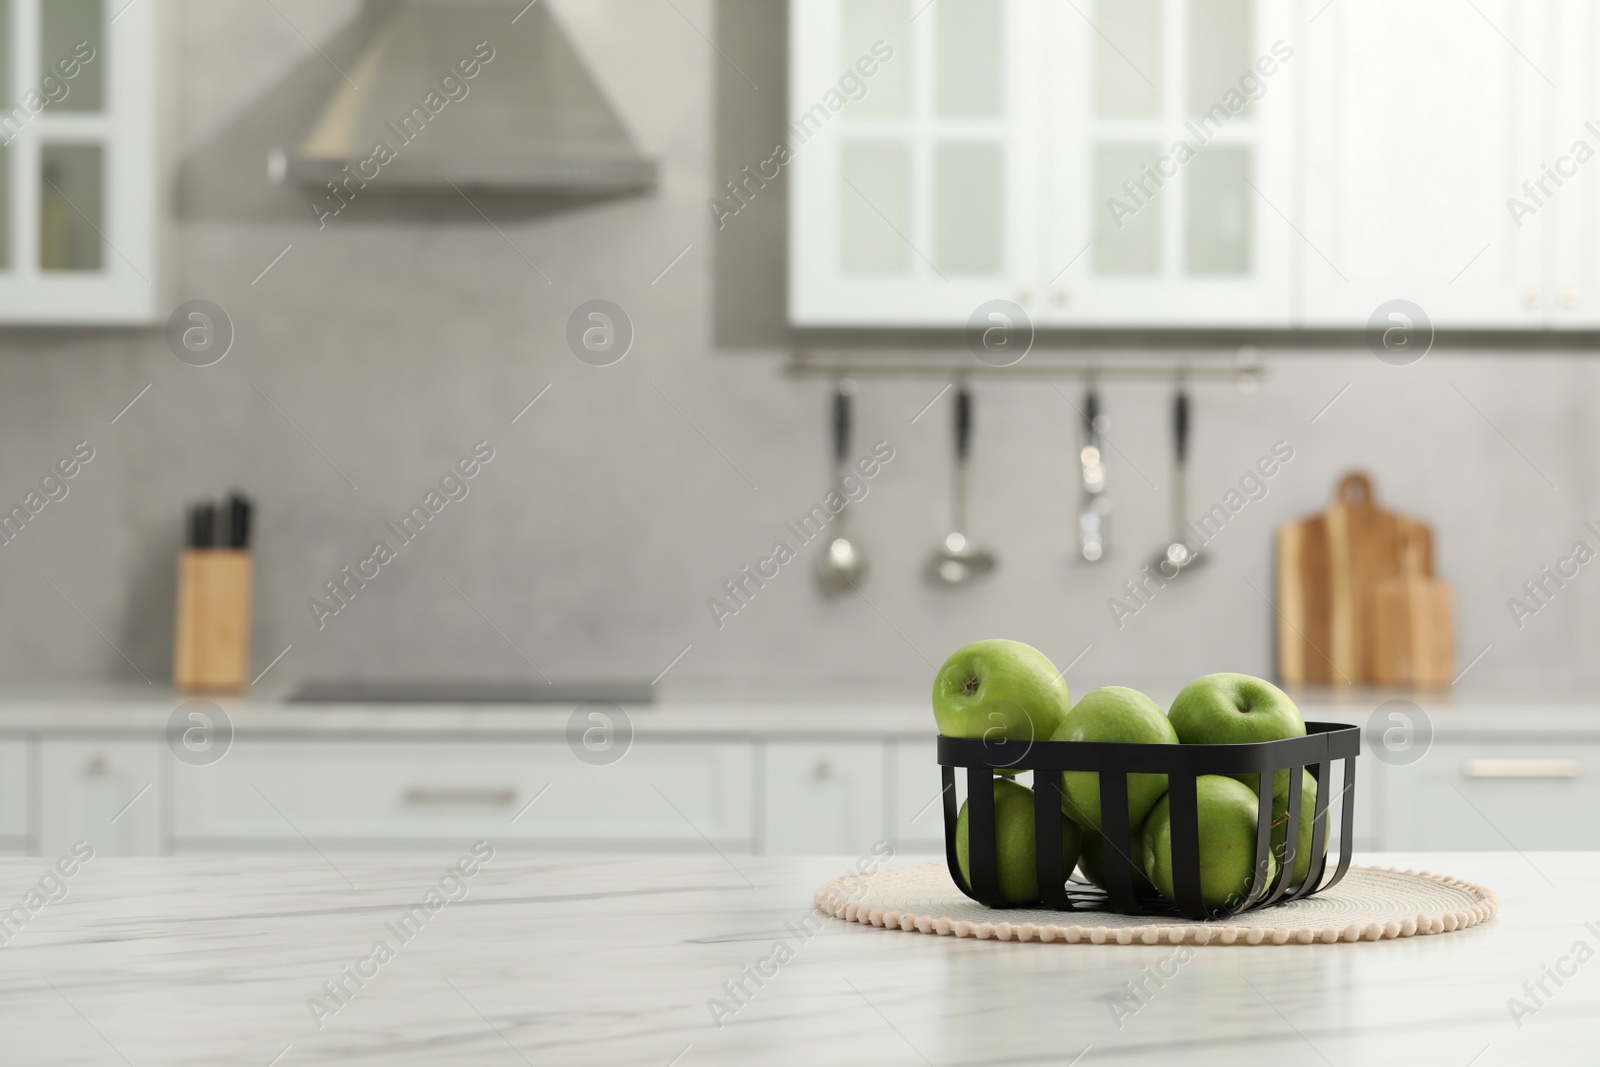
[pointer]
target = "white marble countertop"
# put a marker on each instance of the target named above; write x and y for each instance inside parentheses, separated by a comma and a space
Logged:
(711, 713)
(590, 961)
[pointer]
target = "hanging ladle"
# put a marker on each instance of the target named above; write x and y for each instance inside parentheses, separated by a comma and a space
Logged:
(957, 560)
(1181, 553)
(842, 563)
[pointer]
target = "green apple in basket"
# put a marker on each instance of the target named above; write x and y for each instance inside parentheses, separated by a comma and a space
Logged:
(1014, 849)
(1236, 709)
(1226, 812)
(1001, 691)
(1280, 825)
(1091, 861)
(1113, 714)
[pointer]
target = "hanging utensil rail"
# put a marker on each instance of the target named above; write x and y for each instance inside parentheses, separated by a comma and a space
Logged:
(1246, 367)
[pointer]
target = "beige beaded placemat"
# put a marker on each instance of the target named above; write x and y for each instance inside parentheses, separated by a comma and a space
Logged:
(1369, 904)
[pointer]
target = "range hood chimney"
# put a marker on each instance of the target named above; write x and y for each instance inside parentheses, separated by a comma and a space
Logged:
(531, 120)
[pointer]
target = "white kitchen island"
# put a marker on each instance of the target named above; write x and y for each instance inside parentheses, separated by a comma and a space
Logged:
(607, 960)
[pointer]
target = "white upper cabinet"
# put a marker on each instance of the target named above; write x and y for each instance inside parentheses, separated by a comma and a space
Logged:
(1111, 163)
(1571, 291)
(914, 134)
(78, 159)
(1169, 182)
(1421, 120)
(1198, 163)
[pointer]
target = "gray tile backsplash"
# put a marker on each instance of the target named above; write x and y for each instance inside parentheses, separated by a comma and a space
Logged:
(380, 349)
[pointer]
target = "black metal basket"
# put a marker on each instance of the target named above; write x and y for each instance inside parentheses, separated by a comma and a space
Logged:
(1323, 744)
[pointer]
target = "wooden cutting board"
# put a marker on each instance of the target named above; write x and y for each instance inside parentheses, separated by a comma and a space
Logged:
(1411, 637)
(1357, 601)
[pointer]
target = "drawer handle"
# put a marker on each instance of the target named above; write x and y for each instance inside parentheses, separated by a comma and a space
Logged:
(1522, 768)
(426, 795)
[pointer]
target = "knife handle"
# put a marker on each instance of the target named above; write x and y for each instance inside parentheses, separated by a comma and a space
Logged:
(203, 526)
(1180, 424)
(238, 521)
(843, 391)
(963, 423)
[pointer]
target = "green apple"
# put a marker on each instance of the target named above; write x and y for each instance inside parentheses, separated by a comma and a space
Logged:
(1000, 690)
(1280, 825)
(1113, 714)
(1227, 817)
(1014, 852)
(1236, 709)
(1091, 861)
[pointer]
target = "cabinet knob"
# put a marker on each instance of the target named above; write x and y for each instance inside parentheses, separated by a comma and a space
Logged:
(1532, 298)
(1025, 297)
(96, 766)
(1062, 297)
(823, 770)
(1569, 298)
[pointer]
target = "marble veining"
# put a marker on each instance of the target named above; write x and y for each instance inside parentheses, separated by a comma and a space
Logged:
(591, 960)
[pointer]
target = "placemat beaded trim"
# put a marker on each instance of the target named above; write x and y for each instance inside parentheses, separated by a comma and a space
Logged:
(1174, 931)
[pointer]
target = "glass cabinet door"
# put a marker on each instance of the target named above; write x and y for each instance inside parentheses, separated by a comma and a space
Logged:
(77, 166)
(1170, 161)
(914, 156)
(71, 56)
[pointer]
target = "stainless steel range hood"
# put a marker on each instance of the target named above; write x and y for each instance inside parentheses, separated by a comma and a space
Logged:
(530, 120)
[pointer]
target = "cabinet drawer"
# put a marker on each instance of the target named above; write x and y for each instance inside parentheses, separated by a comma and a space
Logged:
(822, 798)
(672, 794)
(100, 790)
(1496, 797)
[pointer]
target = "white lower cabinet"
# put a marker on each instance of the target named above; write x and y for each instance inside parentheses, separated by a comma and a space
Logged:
(386, 794)
(917, 806)
(822, 797)
(1371, 805)
(129, 796)
(106, 792)
(1494, 796)
(16, 796)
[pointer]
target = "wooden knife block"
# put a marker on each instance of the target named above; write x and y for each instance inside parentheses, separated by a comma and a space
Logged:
(211, 649)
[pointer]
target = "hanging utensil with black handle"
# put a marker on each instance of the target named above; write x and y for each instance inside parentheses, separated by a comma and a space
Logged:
(957, 560)
(842, 564)
(1094, 509)
(1181, 553)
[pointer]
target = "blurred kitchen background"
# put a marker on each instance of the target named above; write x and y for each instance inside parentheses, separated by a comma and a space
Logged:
(396, 340)
(373, 348)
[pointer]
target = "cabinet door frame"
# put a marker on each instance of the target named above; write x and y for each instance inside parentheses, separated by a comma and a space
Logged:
(1076, 296)
(108, 790)
(1572, 277)
(126, 289)
(821, 294)
(1505, 285)
(796, 772)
